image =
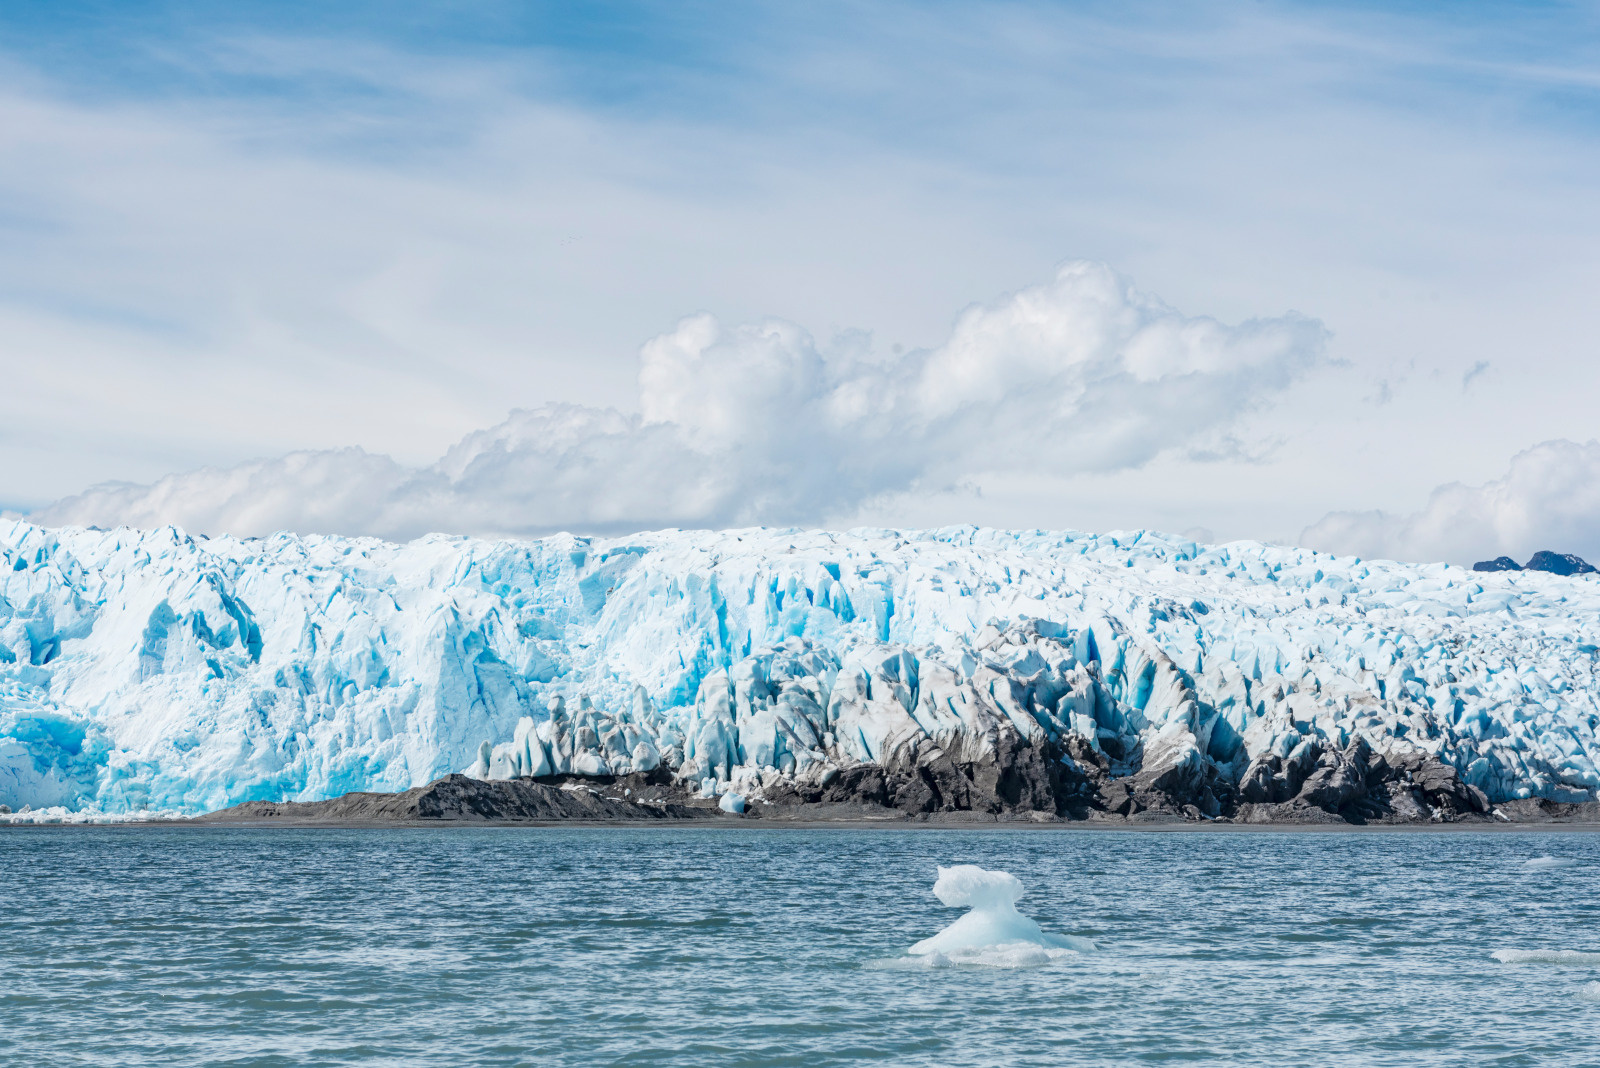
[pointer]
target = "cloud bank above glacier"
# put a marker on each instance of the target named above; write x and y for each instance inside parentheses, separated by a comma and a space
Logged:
(1548, 499)
(758, 423)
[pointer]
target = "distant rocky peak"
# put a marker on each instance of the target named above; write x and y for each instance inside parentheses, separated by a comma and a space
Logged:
(1558, 563)
(1553, 563)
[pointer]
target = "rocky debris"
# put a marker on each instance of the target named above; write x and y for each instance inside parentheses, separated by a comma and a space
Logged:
(1543, 810)
(1094, 793)
(1545, 560)
(459, 798)
(1313, 784)
(1017, 779)
(1076, 781)
(1355, 785)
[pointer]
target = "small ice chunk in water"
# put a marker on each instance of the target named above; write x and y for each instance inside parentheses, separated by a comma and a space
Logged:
(993, 927)
(1549, 862)
(1545, 956)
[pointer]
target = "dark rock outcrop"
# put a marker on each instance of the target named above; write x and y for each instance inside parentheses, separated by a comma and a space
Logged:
(1356, 785)
(1543, 810)
(459, 798)
(1558, 564)
(1547, 561)
(1020, 779)
(1313, 784)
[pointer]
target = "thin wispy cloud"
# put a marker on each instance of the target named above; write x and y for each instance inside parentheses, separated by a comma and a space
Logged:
(1549, 498)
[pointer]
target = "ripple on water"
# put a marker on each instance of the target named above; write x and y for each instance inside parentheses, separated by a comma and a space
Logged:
(1007, 955)
(682, 947)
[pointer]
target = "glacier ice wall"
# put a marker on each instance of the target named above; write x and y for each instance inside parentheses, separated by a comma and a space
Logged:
(149, 669)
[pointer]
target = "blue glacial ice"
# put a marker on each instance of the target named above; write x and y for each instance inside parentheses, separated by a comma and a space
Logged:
(151, 670)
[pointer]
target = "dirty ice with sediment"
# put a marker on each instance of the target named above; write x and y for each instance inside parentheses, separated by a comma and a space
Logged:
(148, 670)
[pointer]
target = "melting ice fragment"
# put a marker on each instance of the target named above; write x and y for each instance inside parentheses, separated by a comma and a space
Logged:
(993, 932)
(1549, 862)
(1545, 956)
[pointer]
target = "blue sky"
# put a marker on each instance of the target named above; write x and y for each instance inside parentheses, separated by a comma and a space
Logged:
(734, 62)
(232, 232)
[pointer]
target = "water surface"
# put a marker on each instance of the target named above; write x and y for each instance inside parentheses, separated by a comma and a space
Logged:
(703, 946)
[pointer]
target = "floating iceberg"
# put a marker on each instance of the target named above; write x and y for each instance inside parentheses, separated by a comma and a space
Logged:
(151, 670)
(993, 931)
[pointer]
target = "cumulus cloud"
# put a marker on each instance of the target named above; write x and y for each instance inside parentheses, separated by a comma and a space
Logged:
(758, 423)
(1549, 499)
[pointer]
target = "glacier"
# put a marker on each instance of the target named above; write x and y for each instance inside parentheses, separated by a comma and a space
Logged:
(149, 670)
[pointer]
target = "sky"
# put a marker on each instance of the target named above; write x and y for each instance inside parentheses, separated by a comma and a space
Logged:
(1307, 273)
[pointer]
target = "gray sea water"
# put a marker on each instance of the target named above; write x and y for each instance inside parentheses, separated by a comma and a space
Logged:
(697, 946)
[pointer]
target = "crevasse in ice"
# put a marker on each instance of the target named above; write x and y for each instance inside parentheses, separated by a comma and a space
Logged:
(153, 670)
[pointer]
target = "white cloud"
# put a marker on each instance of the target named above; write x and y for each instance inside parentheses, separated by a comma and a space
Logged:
(291, 235)
(758, 423)
(1549, 499)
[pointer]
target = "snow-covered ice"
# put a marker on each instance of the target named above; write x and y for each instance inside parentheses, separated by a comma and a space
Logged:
(150, 670)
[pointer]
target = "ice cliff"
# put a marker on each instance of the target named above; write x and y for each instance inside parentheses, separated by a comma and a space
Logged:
(150, 669)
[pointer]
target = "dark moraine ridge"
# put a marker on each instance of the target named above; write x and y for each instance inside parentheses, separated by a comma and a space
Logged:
(1023, 784)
